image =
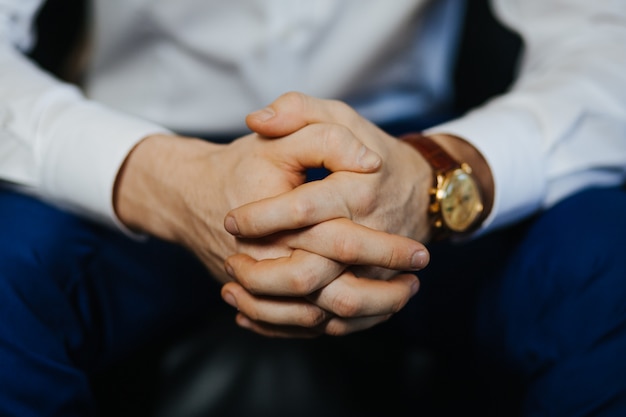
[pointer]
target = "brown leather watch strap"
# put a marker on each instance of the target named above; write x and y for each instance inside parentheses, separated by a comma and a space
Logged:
(438, 158)
(444, 167)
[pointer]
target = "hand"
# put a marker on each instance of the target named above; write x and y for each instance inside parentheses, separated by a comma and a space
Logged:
(393, 199)
(347, 303)
(344, 305)
(180, 189)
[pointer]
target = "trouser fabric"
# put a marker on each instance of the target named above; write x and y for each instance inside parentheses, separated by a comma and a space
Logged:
(531, 319)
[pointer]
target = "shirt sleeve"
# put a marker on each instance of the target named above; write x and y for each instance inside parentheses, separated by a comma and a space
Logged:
(562, 125)
(54, 142)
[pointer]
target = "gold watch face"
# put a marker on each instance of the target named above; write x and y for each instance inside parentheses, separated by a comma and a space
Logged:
(460, 201)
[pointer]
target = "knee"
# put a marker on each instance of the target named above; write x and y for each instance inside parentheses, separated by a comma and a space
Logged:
(40, 248)
(30, 225)
(578, 241)
(563, 289)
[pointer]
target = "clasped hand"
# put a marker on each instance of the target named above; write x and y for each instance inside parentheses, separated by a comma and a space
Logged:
(348, 235)
(297, 259)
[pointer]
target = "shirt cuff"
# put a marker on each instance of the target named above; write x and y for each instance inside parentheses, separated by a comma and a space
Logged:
(510, 142)
(85, 145)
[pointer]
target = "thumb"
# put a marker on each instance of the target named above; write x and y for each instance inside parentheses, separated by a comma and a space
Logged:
(287, 114)
(292, 111)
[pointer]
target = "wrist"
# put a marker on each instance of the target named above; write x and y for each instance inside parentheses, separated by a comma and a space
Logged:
(462, 150)
(461, 188)
(149, 191)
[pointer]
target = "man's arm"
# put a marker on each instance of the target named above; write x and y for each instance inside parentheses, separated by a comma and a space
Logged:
(394, 199)
(180, 189)
(62, 147)
(560, 127)
(558, 130)
(53, 141)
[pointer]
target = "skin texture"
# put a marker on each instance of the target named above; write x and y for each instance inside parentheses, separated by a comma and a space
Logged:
(297, 259)
(180, 189)
(393, 199)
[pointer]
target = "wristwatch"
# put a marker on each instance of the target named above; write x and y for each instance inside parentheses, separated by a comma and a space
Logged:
(456, 201)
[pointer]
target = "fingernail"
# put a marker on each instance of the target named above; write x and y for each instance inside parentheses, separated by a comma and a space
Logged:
(368, 159)
(263, 115)
(415, 287)
(230, 224)
(230, 299)
(420, 259)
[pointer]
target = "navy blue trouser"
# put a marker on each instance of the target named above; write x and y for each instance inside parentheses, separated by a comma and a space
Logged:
(74, 297)
(535, 314)
(542, 304)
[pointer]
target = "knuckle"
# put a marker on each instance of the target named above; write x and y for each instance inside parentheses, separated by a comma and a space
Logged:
(346, 250)
(346, 114)
(366, 198)
(302, 211)
(388, 258)
(312, 317)
(341, 109)
(332, 136)
(303, 282)
(294, 99)
(346, 305)
(337, 327)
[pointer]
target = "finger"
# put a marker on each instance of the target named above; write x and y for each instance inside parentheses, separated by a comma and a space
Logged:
(339, 239)
(350, 243)
(361, 303)
(291, 313)
(271, 330)
(297, 275)
(332, 146)
(334, 327)
(350, 296)
(343, 241)
(305, 205)
(338, 326)
(292, 111)
(284, 311)
(353, 244)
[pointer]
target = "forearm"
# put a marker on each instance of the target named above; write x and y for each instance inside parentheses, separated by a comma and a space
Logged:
(58, 144)
(151, 193)
(560, 127)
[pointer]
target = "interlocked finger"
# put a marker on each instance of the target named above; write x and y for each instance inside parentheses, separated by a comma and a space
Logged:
(297, 275)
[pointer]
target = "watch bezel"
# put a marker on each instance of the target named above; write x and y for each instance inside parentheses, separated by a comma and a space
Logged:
(445, 167)
(447, 187)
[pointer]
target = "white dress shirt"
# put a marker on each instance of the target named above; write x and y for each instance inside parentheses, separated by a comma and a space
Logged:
(202, 65)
